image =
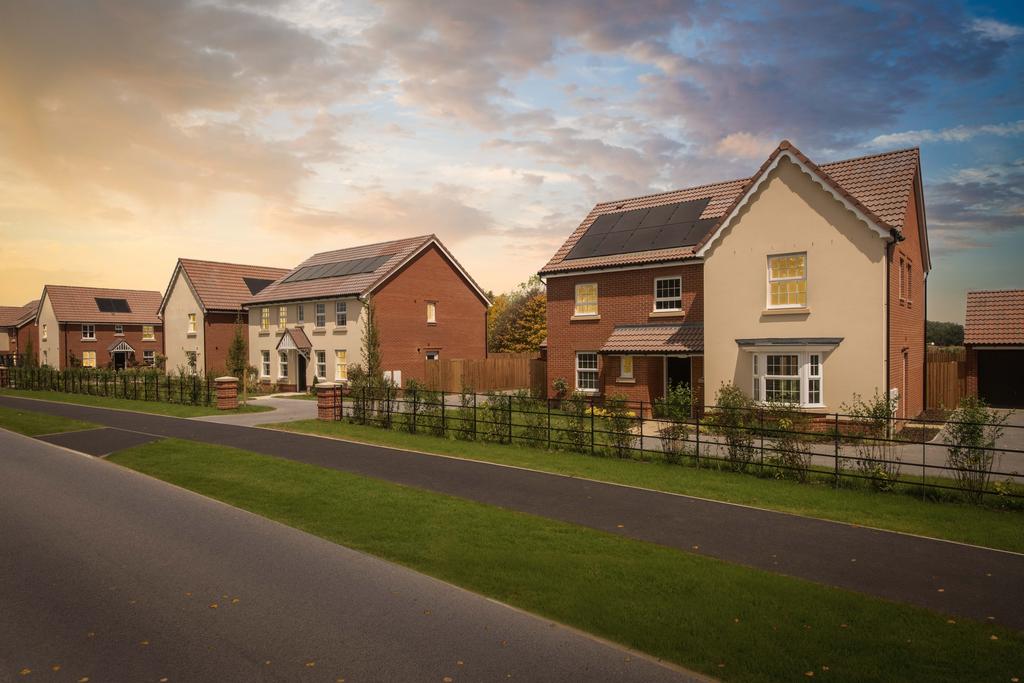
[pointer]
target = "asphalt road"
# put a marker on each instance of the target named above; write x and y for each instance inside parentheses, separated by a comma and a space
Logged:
(947, 577)
(113, 576)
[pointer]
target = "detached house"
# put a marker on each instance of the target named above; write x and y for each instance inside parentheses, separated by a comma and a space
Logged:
(93, 327)
(309, 324)
(801, 283)
(17, 329)
(202, 306)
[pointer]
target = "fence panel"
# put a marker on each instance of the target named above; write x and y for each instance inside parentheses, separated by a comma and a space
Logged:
(946, 380)
(497, 372)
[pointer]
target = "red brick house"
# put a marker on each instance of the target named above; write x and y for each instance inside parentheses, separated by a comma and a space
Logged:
(308, 325)
(202, 306)
(994, 338)
(801, 283)
(17, 329)
(95, 327)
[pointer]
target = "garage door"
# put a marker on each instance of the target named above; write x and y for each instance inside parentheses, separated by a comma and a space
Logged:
(1001, 378)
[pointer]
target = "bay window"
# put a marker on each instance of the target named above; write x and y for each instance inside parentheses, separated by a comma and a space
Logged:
(586, 371)
(788, 377)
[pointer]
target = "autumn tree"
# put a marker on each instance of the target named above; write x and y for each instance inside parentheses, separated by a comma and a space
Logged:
(517, 320)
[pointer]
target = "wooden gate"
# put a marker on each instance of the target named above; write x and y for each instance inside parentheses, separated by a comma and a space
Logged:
(946, 378)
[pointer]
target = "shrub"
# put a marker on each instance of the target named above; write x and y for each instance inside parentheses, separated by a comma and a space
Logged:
(971, 432)
(677, 404)
(619, 426)
(578, 416)
(674, 442)
(787, 434)
(560, 386)
(877, 458)
(496, 418)
(535, 417)
(464, 415)
(734, 420)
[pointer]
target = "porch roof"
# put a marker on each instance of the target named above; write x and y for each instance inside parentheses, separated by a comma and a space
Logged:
(656, 338)
(120, 345)
(295, 338)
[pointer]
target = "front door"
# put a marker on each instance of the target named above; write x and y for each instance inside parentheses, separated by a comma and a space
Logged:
(302, 372)
(120, 360)
(677, 371)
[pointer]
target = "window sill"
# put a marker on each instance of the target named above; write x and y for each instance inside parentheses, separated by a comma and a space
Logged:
(667, 314)
(190, 335)
(626, 380)
(796, 310)
(430, 324)
(581, 318)
(149, 339)
(89, 339)
(589, 392)
(119, 334)
(265, 334)
(319, 330)
(339, 330)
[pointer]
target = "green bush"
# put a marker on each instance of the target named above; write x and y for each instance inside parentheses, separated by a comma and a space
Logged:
(618, 425)
(496, 418)
(734, 419)
(876, 455)
(677, 404)
(972, 430)
(787, 431)
(578, 422)
(674, 444)
(534, 417)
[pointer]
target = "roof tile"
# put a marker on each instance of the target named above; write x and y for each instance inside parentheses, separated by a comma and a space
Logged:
(655, 338)
(78, 304)
(221, 286)
(995, 317)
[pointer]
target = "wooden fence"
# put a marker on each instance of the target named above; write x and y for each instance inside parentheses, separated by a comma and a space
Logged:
(497, 372)
(946, 378)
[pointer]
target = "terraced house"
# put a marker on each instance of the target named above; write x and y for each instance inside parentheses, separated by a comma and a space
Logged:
(309, 325)
(203, 305)
(94, 327)
(802, 283)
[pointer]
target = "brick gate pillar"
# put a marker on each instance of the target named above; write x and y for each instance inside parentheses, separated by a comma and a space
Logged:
(328, 398)
(227, 393)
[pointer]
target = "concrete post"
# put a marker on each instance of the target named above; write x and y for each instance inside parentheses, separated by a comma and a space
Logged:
(227, 393)
(328, 398)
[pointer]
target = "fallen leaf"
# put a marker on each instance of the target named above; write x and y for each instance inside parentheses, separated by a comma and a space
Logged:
(310, 664)
(809, 674)
(993, 637)
(234, 601)
(214, 605)
(83, 679)
(55, 667)
(843, 626)
(458, 663)
(447, 679)
(143, 642)
(696, 547)
(25, 672)
(188, 594)
(950, 621)
(942, 590)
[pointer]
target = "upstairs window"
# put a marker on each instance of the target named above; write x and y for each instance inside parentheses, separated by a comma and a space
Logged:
(320, 311)
(341, 313)
(586, 299)
(119, 329)
(431, 312)
(668, 294)
(910, 282)
(191, 323)
(282, 317)
(148, 333)
(902, 285)
(300, 314)
(787, 281)
(264, 319)
(586, 371)
(89, 332)
(44, 332)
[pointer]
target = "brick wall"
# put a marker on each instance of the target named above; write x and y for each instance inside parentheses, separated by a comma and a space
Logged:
(28, 339)
(219, 330)
(71, 343)
(624, 297)
(401, 309)
(907, 317)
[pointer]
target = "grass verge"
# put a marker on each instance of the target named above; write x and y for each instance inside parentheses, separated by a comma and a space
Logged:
(35, 424)
(155, 407)
(984, 526)
(732, 622)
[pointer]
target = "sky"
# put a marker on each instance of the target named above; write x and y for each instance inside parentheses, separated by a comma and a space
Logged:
(134, 132)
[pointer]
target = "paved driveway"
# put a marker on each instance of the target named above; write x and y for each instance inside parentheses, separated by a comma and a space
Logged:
(113, 576)
(284, 410)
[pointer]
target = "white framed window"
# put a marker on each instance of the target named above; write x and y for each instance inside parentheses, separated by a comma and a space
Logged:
(191, 323)
(265, 362)
(668, 294)
(910, 281)
(586, 370)
(264, 319)
(586, 299)
(321, 364)
(340, 365)
(282, 364)
(787, 281)
(300, 314)
(282, 317)
(148, 333)
(119, 330)
(902, 291)
(789, 377)
(88, 359)
(149, 357)
(431, 312)
(89, 332)
(433, 355)
(626, 367)
(192, 360)
(44, 331)
(341, 313)
(320, 311)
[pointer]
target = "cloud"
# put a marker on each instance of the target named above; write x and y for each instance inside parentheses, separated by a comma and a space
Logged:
(745, 146)
(955, 134)
(996, 30)
(974, 204)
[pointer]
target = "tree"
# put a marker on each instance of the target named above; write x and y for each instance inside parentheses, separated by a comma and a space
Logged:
(517, 321)
(371, 343)
(944, 334)
(238, 352)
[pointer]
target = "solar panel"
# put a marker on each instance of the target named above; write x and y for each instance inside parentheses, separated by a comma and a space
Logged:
(113, 305)
(256, 284)
(660, 227)
(339, 268)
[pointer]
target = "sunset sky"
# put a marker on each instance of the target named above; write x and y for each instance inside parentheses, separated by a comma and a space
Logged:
(132, 133)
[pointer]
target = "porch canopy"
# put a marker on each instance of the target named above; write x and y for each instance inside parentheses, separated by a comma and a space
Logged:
(120, 346)
(295, 338)
(655, 339)
(773, 343)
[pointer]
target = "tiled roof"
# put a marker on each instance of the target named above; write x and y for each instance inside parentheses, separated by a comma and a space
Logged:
(298, 338)
(655, 338)
(355, 284)
(16, 316)
(881, 184)
(78, 304)
(221, 286)
(995, 317)
(28, 312)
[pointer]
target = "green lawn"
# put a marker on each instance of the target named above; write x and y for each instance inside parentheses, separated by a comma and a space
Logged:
(34, 424)
(899, 512)
(732, 622)
(155, 407)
